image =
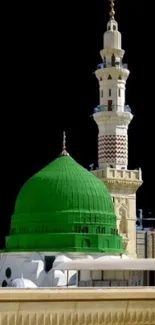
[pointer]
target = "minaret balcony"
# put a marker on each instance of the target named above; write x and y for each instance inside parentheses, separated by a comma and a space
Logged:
(113, 108)
(114, 65)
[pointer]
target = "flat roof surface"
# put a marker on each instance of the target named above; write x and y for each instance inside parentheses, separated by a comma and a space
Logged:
(105, 264)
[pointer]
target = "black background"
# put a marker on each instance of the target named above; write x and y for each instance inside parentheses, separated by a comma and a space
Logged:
(49, 53)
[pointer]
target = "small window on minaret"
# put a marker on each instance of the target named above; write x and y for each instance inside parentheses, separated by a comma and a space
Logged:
(113, 60)
(109, 92)
(114, 27)
(108, 27)
(109, 77)
(104, 61)
(119, 78)
(101, 93)
(119, 92)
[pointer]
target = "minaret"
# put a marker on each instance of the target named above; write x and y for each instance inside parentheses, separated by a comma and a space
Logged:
(113, 117)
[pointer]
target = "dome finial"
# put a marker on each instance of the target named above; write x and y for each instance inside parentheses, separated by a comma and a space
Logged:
(64, 152)
(64, 141)
(112, 11)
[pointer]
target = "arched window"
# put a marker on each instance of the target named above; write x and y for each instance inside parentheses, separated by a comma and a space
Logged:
(119, 78)
(107, 243)
(4, 283)
(119, 92)
(109, 77)
(104, 61)
(123, 226)
(8, 272)
(86, 243)
(77, 229)
(118, 244)
(113, 60)
(125, 245)
(85, 229)
(48, 264)
(98, 230)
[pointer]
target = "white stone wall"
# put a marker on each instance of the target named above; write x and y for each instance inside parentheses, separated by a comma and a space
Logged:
(112, 38)
(31, 267)
(113, 85)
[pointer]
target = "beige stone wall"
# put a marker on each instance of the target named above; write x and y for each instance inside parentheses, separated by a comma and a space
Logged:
(131, 306)
(125, 207)
(151, 244)
(122, 185)
(145, 244)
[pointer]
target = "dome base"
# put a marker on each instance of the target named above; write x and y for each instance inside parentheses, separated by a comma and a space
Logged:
(94, 243)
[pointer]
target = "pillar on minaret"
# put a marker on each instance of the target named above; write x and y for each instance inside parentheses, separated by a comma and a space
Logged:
(112, 115)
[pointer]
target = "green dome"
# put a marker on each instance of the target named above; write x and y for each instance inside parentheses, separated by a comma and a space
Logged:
(65, 208)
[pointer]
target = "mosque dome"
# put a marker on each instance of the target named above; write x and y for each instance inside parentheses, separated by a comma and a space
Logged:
(64, 208)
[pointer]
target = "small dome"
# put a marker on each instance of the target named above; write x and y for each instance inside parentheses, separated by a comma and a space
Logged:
(60, 259)
(64, 208)
(21, 283)
(112, 25)
(57, 278)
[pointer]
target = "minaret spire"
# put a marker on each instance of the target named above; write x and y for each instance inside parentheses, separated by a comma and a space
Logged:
(112, 11)
(64, 152)
(64, 141)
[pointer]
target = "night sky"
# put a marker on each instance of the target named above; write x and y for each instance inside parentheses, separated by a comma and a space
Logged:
(49, 54)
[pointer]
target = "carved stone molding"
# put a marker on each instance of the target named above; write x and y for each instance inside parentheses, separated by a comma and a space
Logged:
(131, 186)
(127, 306)
(118, 174)
(121, 202)
(109, 52)
(114, 72)
(109, 118)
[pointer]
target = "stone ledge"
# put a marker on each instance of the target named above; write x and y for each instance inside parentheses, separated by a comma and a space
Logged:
(77, 294)
(108, 306)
